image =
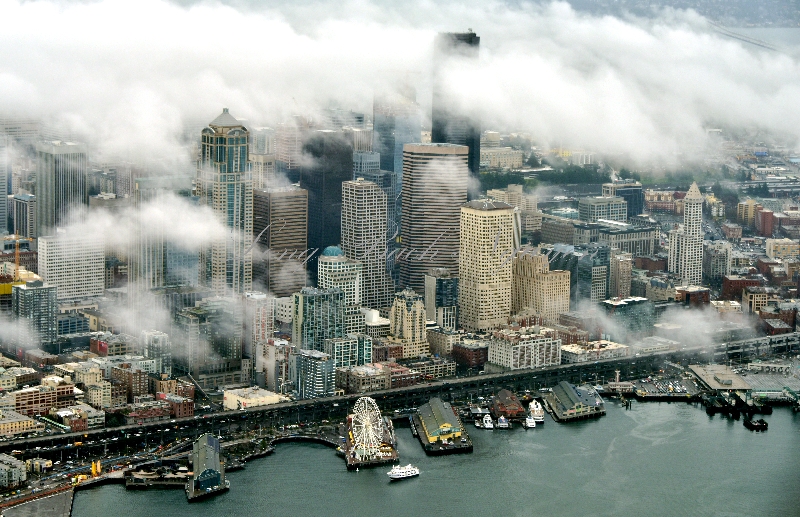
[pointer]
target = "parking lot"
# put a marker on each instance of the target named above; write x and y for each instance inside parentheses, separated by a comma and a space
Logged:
(674, 386)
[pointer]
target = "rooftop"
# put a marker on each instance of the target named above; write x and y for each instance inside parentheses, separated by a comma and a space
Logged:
(225, 119)
(719, 377)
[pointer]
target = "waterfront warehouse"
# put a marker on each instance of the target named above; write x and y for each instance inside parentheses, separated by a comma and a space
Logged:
(439, 421)
(508, 405)
(568, 402)
(209, 474)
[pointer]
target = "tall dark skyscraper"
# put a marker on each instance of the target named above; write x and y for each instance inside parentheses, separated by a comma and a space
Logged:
(225, 184)
(327, 163)
(395, 122)
(60, 183)
(449, 124)
(280, 216)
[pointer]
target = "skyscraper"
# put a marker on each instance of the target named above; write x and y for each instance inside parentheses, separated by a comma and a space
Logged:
(537, 288)
(210, 345)
(289, 138)
(364, 238)
(686, 244)
(489, 236)
(337, 270)
(60, 183)
(630, 191)
(619, 277)
(435, 178)
(225, 184)
(156, 345)
(154, 261)
(73, 263)
(313, 374)
(407, 324)
(34, 305)
(24, 215)
(364, 162)
(441, 298)
(594, 264)
(281, 213)
(396, 121)
(329, 163)
(449, 122)
(5, 177)
(318, 315)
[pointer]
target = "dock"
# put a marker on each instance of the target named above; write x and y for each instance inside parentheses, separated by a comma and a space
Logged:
(440, 430)
(144, 480)
(369, 439)
(568, 403)
(56, 505)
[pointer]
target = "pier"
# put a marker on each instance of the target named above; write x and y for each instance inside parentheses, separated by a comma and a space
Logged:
(440, 430)
(370, 439)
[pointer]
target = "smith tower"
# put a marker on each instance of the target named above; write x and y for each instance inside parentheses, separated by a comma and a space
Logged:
(686, 244)
(225, 183)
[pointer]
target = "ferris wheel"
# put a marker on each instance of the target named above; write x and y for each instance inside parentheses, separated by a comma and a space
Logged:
(367, 428)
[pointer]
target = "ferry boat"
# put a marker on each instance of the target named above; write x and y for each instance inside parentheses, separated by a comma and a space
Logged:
(488, 423)
(536, 411)
(529, 422)
(397, 473)
(503, 423)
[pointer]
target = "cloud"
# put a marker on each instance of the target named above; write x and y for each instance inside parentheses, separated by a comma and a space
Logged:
(129, 77)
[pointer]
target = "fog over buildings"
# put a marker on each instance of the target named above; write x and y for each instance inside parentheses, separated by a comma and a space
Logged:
(646, 87)
(207, 200)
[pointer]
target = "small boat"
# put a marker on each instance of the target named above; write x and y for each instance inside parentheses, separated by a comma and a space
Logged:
(529, 423)
(536, 411)
(756, 425)
(503, 423)
(397, 473)
(488, 423)
(478, 424)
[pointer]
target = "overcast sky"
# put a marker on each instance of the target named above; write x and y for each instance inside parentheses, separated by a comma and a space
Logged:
(128, 76)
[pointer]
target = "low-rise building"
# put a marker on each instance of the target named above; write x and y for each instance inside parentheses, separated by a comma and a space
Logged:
(732, 231)
(12, 471)
(782, 248)
(180, 407)
(593, 351)
(98, 395)
(524, 347)
(13, 423)
(362, 379)
(79, 417)
(441, 341)
(471, 353)
(38, 465)
(146, 412)
(727, 306)
(249, 398)
(434, 368)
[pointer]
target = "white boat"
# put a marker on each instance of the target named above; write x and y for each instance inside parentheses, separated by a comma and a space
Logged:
(536, 411)
(503, 423)
(398, 472)
(529, 423)
(478, 423)
(488, 423)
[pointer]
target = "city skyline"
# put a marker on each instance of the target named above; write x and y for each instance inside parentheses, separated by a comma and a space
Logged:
(361, 224)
